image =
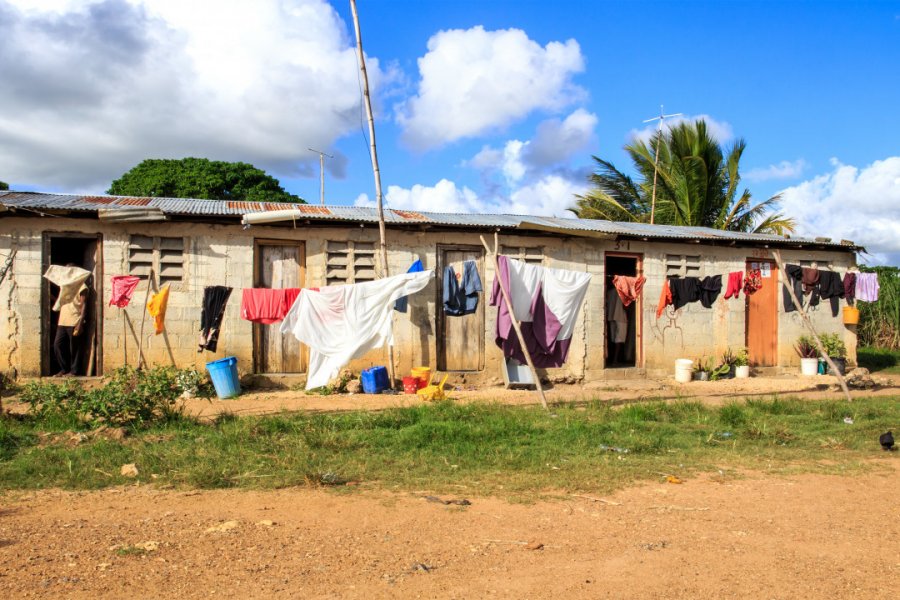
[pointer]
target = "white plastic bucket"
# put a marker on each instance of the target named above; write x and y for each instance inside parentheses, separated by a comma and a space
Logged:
(809, 366)
(684, 367)
(742, 372)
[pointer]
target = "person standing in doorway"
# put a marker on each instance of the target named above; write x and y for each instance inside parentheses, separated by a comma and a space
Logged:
(68, 345)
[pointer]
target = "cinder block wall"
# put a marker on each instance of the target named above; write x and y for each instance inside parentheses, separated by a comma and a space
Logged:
(223, 255)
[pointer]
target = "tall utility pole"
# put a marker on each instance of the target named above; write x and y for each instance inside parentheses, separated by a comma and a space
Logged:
(375, 170)
(662, 117)
(322, 156)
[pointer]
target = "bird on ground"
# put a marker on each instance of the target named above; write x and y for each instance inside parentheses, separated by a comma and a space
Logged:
(887, 440)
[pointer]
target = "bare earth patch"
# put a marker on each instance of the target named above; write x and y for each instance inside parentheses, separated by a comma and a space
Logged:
(760, 536)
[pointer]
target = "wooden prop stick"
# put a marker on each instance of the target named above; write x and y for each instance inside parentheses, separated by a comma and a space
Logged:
(512, 316)
(144, 318)
(124, 338)
(806, 320)
(134, 334)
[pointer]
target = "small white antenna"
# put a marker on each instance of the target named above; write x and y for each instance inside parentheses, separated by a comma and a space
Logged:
(662, 117)
(322, 156)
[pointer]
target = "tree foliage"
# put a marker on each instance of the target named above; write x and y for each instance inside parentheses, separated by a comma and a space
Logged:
(200, 178)
(697, 185)
(4, 185)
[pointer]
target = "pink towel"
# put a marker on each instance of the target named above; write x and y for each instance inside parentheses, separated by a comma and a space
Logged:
(123, 287)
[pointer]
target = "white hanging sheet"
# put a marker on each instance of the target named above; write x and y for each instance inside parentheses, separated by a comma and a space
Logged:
(340, 323)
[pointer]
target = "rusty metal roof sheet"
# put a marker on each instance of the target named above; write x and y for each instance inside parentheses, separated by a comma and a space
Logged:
(37, 202)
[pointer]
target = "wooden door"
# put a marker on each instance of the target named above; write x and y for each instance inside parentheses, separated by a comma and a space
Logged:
(278, 265)
(762, 316)
(460, 339)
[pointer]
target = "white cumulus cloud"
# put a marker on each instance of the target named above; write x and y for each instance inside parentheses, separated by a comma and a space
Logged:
(783, 170)
(474, 81)
(91, 88)
(859, 204)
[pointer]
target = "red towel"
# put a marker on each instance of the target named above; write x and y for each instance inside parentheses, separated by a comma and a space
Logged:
(267, 305)
(665, 299)
(123, 287)
(629, 288)
(735, 283)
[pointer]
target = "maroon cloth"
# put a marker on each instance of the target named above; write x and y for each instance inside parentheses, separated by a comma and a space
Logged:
(849, 287)
(735, 283)
(123, 287)
(539, 334)
(266, 305)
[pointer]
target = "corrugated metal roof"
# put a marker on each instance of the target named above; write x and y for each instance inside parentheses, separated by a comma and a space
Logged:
(229, 208)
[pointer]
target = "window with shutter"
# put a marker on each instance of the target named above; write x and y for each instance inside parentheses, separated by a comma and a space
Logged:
(162, 255)
(349, 262)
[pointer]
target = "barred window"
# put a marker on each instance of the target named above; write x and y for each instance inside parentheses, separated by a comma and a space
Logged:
(349, 262)
(530, 255)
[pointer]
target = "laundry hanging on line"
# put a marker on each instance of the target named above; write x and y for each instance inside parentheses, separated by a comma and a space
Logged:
(752, 282)
(628, 287)
(665, 298)
(156, 306)
(267, 305)
(402, 303)
(867, 287)
(794, 279)
(684, 290)
(123, 287)
(461, 293)
(710, 287)
(546, 303)
(215, 298)
(735, 283)
(340, 323)
(830, 288)
(69, 279)
(850, 287)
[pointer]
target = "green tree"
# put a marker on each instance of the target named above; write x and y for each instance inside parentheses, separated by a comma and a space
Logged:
(697, 184)
(4, 185)
(200, 178)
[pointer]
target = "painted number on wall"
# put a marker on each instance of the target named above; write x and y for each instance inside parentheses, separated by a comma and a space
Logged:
(623, 245)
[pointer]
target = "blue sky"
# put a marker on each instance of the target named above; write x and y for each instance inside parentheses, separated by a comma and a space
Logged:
(481, 106)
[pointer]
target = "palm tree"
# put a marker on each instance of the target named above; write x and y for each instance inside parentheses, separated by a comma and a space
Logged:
(697, 185)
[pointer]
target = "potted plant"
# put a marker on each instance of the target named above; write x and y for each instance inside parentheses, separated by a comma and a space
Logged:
(702, 368)
(809, 361)
(836, 351)
(728, 358)
(742, 363)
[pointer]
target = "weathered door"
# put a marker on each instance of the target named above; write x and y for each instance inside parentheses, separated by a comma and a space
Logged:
(762, 316)
(278, 265)
(460, 339)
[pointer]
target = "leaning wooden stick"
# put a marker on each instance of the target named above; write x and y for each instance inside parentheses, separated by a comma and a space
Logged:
(143, 318)
(512, 316)
(806, 320)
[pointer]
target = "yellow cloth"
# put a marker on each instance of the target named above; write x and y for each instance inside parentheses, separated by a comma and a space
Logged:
(69, 280)
(70, 314)
(157, 308)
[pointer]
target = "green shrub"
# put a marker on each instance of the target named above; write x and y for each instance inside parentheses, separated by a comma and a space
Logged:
(879, 322)
(129, 397)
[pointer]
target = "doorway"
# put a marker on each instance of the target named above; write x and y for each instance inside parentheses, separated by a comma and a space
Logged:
(460, 339)
(622, 338)
(762, 316)
(83, 251)
(278, 265)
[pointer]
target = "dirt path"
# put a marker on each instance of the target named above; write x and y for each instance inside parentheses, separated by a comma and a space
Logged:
(812, 536)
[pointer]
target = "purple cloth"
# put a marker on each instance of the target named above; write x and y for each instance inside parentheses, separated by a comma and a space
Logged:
(867, 287)
(540, 334)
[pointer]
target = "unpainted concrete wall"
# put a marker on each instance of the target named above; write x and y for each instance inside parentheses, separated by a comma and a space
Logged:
(223, 255)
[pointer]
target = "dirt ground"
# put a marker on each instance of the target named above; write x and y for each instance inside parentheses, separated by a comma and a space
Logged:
(615, 391)
(812, 536)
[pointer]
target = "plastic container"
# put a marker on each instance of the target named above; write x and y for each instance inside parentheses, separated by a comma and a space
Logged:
(374, 380)
(809, 366)
(423, 374)
(684, 368)
(851, 315)
(410, 385)
(742, 372)
(224, 375)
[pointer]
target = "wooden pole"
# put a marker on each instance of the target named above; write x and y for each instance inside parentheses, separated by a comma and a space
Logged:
(375, 170)
(512, 316)
(124, 338)
(655, 173)
(143, 318)
(776, 254)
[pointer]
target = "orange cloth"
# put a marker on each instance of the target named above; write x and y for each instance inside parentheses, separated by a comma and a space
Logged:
(157, 308)
(665, 299)
(629, 288)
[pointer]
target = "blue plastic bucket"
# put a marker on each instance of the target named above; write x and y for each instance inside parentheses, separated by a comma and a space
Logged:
(224, 375)
(374, 380)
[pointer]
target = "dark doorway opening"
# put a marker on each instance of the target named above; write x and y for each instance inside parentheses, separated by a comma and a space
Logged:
(81, 251)
(623, 335)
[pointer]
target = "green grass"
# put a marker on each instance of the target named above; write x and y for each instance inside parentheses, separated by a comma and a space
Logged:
(486, 449)
(879, 360)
